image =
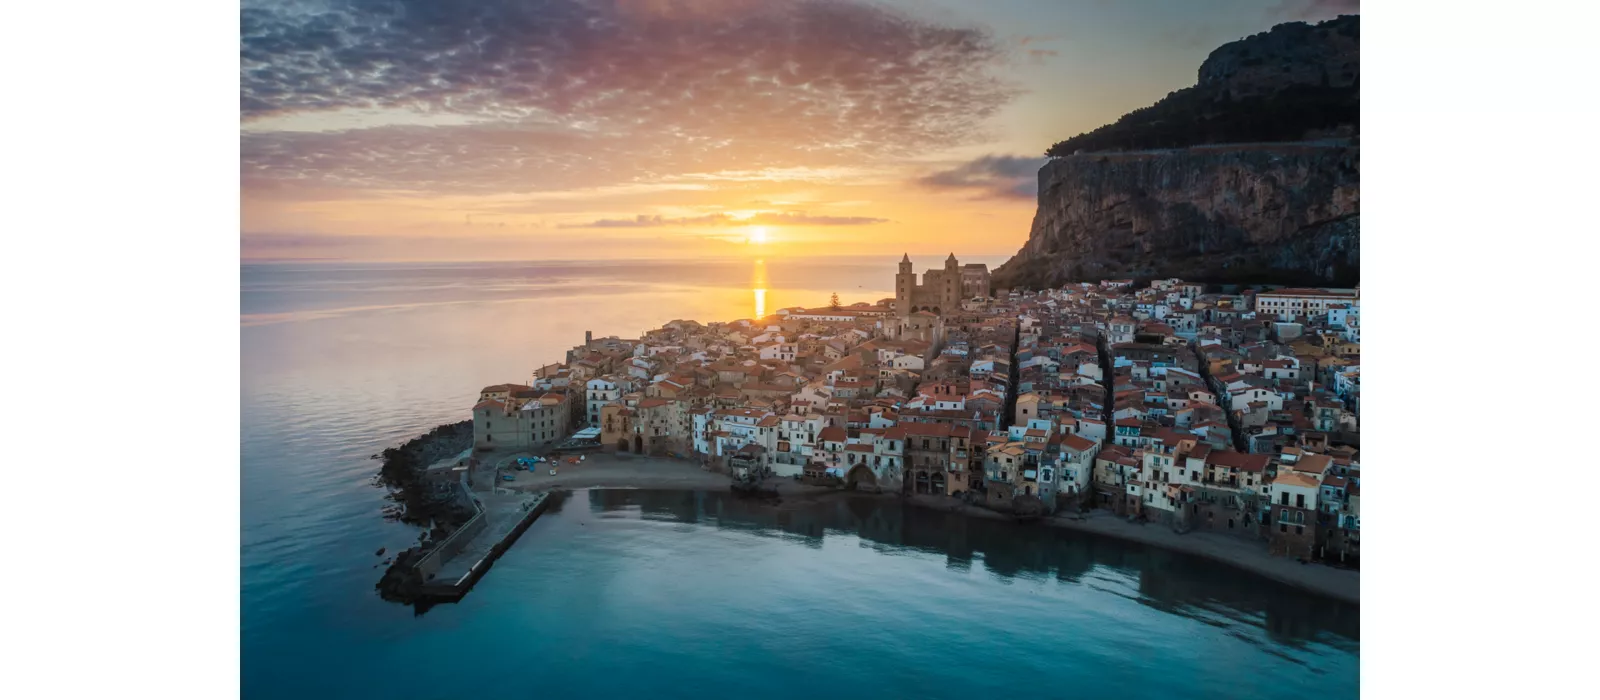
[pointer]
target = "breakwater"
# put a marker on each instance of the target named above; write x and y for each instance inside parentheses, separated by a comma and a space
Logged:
(404, 473)
(432, 573)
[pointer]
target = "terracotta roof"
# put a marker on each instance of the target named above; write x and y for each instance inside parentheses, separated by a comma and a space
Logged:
(1313, 464)
(832, 433)
(1238, 460)
(927, 429)
(1295, 479)
(1076, 443)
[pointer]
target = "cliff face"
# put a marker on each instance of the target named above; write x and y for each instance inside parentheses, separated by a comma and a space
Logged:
(1273, 213)
(1253, 175)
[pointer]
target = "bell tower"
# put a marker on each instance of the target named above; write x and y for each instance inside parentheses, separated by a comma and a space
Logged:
(950, 295)
(905, 283)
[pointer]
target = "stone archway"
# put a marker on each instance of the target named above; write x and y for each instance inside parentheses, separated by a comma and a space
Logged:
(936, 484)
(936, 310)
(638, 444)
(860, 475)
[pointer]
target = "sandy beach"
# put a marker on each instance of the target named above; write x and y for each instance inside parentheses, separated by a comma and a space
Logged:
(632, 471)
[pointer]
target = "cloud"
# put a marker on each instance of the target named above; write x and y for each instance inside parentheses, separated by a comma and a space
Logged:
(1027, 39)
(760, 219)
(1003, 177)
(276, 245)
(535, 95)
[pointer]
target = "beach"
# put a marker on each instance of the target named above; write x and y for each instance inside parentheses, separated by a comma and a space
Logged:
(645, 472)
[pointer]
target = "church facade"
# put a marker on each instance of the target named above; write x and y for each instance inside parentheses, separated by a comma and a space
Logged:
(920, 308)
(940, 291)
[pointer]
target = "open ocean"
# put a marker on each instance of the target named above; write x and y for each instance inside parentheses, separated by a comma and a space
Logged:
(664, 594)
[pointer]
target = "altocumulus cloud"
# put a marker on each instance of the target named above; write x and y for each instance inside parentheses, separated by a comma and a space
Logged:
(559, 94)
(1006, 177)
(761, 219)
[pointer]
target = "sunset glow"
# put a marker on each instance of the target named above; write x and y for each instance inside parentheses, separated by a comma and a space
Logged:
(577, 129)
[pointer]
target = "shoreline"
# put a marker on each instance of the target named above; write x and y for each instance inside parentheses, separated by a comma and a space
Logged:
(1343, 585)
(605, 471)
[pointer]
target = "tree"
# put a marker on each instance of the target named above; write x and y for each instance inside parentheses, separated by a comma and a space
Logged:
(833, 302)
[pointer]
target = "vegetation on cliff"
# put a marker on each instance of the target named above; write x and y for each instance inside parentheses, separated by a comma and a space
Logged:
(1191, 117)
(1294, 82)
(1273, 197)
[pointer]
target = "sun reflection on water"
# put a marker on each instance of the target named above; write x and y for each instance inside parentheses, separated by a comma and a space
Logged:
(759, 285)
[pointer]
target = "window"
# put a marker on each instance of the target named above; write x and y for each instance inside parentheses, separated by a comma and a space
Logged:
(1282, 527)
(1300, 500)
(1285, 498)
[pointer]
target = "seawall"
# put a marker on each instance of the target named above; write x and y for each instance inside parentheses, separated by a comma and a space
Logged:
(433, 576)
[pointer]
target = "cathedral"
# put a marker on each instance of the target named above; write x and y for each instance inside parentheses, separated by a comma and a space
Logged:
(920, 308)
(941, 291)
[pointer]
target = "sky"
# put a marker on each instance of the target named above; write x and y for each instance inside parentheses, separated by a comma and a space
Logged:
(411, 130)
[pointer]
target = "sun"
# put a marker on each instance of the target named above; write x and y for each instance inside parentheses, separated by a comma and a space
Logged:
(758, 234)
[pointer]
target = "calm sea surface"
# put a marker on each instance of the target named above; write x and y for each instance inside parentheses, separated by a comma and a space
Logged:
(665, 594)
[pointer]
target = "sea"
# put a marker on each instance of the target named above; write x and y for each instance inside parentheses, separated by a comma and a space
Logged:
(637, 593)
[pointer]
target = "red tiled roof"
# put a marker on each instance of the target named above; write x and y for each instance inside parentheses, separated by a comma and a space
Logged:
(1238, 460)
(927, 429)
(1076, 443)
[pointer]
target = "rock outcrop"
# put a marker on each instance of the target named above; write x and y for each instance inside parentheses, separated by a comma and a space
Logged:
(1285, 214)
(1251, 175)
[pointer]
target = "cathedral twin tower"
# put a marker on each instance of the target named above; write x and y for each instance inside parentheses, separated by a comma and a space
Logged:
(941, 291)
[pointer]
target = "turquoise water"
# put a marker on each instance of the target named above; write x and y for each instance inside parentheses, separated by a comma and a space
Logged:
(677, 594)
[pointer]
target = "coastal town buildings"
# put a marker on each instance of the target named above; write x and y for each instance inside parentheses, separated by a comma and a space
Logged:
(1179, 404)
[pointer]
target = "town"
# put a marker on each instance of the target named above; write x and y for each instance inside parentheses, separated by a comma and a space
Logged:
(1171, 403)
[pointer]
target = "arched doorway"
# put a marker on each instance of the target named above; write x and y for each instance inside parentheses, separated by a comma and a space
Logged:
(638, 444)
(922, 482)
(937, 484)
(622, 445)
(936, 310)
(860, 475)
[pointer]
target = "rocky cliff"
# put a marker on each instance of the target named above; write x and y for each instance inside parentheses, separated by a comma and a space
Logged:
(1251, 175)
(1286, 214)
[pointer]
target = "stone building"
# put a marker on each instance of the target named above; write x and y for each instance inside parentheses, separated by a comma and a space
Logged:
(1292, 527)
(515, 417)
(927, 456)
